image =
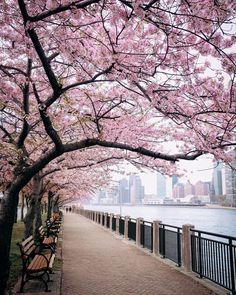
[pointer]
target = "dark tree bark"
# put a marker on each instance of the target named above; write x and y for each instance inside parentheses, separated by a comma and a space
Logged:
(29, 218)
(33, 217)
(56, 204)
(7, 215)
(49, 209)
(22, 207)
(16, 214)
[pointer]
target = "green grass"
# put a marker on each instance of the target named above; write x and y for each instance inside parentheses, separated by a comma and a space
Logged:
(15, 259)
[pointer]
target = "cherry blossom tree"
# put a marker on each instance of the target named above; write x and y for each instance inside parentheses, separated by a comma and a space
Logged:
(126, 78)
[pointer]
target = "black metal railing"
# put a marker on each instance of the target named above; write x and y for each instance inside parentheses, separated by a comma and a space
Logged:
(99, 218)
(132, 229)
(103, 219)
(214, 258)
(113, 223)
(121, 226)
(170, 242)
(146, 235)
(108, 221)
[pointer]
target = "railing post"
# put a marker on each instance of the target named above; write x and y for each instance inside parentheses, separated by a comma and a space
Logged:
(186, 246)
(126, 227)
(105, 219)
(156, 237)
(232, 273)
(138, 230)
(101, 214)
(97, 217)
(111, 218)
(118, 224)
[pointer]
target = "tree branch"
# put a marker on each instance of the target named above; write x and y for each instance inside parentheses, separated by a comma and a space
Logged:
(61, 8)
(25, 128)
(53, 98)
(52, 133)
(39, 49)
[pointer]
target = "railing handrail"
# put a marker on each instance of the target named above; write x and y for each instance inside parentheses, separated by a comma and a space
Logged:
(147, 222)
(172, 226)
(132, 219)
(213, 234)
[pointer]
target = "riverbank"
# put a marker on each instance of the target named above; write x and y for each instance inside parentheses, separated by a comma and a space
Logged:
(216, 206)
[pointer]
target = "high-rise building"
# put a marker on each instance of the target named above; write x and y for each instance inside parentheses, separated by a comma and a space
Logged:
(136, 189)
(100, 195)
(189, 189)
(202, 188)
(174, 180)
(161, 185)
(178, 190)
(230, 181)
(217, 181)
(123, 191)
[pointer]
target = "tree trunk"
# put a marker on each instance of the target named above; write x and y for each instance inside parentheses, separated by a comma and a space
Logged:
(45, 207)
(38, 217)
(8, 207)
(22, 207)
(50, 196)
(29, 219)
(16, 214)
(56, 205)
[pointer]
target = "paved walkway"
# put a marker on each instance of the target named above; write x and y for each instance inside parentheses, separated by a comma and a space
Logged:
(96, 262)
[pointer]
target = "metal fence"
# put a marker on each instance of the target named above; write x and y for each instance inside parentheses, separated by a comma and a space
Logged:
(113, 223)
(108, 221)
(170, 242)
(146, 235)
(103, 219)
(132, 229)
(214, 258)
(121, 226)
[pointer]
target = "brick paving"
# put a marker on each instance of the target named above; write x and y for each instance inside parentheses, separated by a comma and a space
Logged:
(97, 262)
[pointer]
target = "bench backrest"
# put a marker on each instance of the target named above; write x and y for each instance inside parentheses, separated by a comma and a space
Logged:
(27, 249)
(41, 231)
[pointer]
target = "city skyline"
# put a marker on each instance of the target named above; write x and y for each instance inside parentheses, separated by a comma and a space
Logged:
(200, 169)
(130, 189)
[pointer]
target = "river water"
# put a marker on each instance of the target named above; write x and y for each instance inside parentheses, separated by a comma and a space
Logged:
(216, 220)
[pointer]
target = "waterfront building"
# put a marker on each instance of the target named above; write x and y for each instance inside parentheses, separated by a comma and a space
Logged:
(161, 185)
(178, 191)
(123, 191)
(202, 188)
(151, 199)
(217, 180)
(230, 181)
(136, 189)
(174, 180)
(189, 189)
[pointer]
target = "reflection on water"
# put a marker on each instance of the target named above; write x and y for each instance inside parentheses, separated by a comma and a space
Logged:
(221, 221)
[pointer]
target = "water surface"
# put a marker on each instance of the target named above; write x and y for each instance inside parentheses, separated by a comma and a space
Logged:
(216, 220)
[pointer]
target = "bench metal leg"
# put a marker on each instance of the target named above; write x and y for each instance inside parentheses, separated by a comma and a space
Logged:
(27, 278)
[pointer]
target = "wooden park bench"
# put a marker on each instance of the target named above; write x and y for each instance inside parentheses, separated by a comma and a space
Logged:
(35, 265)
(47, 241)
(53, 227)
